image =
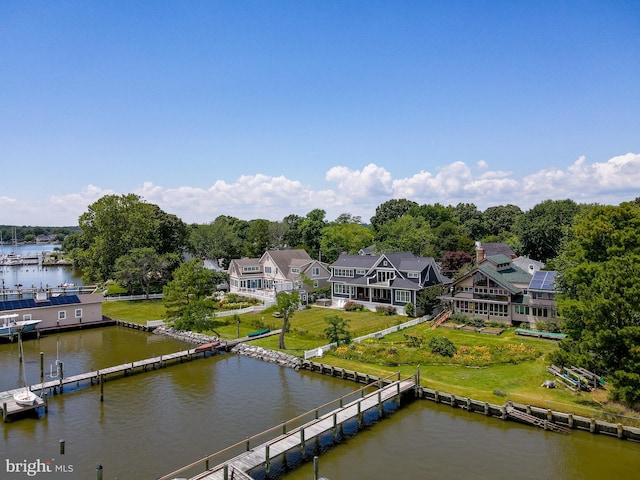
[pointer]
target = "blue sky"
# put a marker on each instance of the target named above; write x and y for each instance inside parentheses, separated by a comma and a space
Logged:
(260, 109)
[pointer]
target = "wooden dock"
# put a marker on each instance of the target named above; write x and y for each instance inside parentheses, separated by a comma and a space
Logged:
(297, 440)
(10, 407)
(57, 386)
(98, 377)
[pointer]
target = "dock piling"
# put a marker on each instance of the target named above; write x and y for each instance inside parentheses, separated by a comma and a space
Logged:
(62, 445)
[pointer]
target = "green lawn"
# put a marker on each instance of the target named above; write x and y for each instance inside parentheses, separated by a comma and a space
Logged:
(496, 383)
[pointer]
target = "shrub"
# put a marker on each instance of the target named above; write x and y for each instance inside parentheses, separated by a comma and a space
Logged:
(414, 339)
(442, 346)
(410, 309)
(353, 307)
(386, 310)
(458, 318)
(475, 322)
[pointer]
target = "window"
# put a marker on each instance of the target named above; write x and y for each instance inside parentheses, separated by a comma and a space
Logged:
(403, 296)
(340, 289)
(62, 315)
(343, 272)
(522, 309)
(539, 312)
(315, 272)
(251, 268)
(413, 275)
(267, 269)
(315, 284)
(78, 313)
(26, 317)
(385, 275)
(295, 270)
(361, 271)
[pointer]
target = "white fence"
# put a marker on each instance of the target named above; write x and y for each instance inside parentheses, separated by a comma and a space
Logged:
(318, 352)
(117, 298)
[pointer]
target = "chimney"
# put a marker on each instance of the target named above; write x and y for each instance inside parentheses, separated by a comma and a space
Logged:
(479, 253)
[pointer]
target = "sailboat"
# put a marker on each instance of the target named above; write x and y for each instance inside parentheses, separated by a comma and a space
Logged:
(12, 258)
(24, 396)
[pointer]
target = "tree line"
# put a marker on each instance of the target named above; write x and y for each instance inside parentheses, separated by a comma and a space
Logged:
(594, 248)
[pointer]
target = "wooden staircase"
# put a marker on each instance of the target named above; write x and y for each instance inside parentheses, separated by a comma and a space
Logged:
(441, 318)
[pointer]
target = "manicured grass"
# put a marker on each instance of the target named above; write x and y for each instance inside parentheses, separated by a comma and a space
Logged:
(136, 311)
(495, 383)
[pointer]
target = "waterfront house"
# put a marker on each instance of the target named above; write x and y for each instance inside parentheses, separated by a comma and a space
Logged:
(276, 271)
(387, 280)
(57, 311)
(497, 290)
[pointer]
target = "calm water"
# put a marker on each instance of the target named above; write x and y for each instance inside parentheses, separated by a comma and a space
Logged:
(153, 423)
(35, 275)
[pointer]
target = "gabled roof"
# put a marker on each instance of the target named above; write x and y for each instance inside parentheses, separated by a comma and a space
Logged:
(355, 261)
(285, 259)
(400, 261)
(497, 248)
(236, 265)
(501, 278)
(527, 264)
(497, 259)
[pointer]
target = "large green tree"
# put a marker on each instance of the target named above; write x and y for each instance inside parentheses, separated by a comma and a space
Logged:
(406, 234)
(311, 231)
(340, 238)
(221, 239)
(287, 303)
(188, 297)
(472, 220)
(599, 296)
(542, 229)
(143, 267)
(391, 210)
(116, 224)
(258, 238)
(500, 219)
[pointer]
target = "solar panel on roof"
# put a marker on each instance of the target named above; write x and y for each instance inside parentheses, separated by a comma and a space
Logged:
(543, 280)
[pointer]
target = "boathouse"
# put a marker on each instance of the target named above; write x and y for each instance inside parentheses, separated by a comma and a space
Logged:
(58, 311)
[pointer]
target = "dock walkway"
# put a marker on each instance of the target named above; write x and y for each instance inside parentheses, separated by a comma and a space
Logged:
(57, 386)
(295, 441)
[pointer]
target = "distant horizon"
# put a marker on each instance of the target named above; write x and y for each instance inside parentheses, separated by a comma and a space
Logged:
(264, 109)
(362, 220)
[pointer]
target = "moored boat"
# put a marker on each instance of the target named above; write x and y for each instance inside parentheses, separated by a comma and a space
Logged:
(25, 397)
(9, 326)
(207, 346)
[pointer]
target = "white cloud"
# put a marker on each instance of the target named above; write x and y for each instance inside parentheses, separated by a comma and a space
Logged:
(353, 191)
(613, 181)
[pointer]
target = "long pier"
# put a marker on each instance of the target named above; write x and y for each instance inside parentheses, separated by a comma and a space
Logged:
(52, 387)
(296, 442)
(46, 389)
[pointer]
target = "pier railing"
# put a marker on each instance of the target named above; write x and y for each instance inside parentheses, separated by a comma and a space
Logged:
(290, 426)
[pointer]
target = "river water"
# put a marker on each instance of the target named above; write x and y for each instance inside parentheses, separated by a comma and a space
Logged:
(153, 423)
(34, 275)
